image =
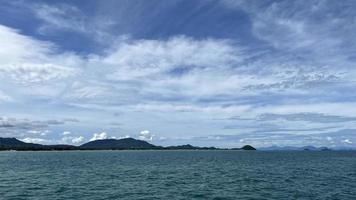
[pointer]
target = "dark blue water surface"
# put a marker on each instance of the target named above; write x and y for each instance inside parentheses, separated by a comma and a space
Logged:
(177, 175)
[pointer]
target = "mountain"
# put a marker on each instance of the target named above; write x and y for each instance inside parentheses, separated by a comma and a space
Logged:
(324, 149)
(13, 143)
(126, 143)
(106, 144)
(312, 148)
(248, 147)
(189, 147)
(4, 142)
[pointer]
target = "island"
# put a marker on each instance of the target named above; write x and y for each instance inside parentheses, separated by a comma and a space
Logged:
(7, 144)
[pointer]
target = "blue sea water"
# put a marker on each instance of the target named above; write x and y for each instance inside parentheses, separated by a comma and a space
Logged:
(94, 175)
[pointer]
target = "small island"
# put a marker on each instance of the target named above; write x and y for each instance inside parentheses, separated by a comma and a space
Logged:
(7, 144)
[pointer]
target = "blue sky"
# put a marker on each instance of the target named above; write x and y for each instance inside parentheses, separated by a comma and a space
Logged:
(210, 73)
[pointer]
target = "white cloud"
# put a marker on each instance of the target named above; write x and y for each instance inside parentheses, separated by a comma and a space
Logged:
(66, 133)
(39, 132)
(77, 140)
(123, 137)
(18, 48)
(36, 140)
(26, 60)
(73, 139)
(34, 132)
(99, 136)
(146, 135)
(144, 58)
(330, 140)
(347, 141)
(174, 68)
(210, 68)
(184, 68)
(33, 73)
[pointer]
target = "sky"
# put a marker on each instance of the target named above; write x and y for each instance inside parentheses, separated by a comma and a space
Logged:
(205, 72)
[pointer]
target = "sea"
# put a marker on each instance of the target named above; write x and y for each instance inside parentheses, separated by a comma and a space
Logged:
(177, 174)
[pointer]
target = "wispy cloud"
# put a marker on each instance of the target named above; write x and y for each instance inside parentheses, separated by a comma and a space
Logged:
(55, 18)
(27, 60)
(311, 117)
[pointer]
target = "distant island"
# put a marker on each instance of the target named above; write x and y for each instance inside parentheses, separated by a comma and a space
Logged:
(292, 148)
(7, 144)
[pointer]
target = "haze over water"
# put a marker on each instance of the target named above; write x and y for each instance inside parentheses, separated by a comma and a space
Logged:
(94, 175)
